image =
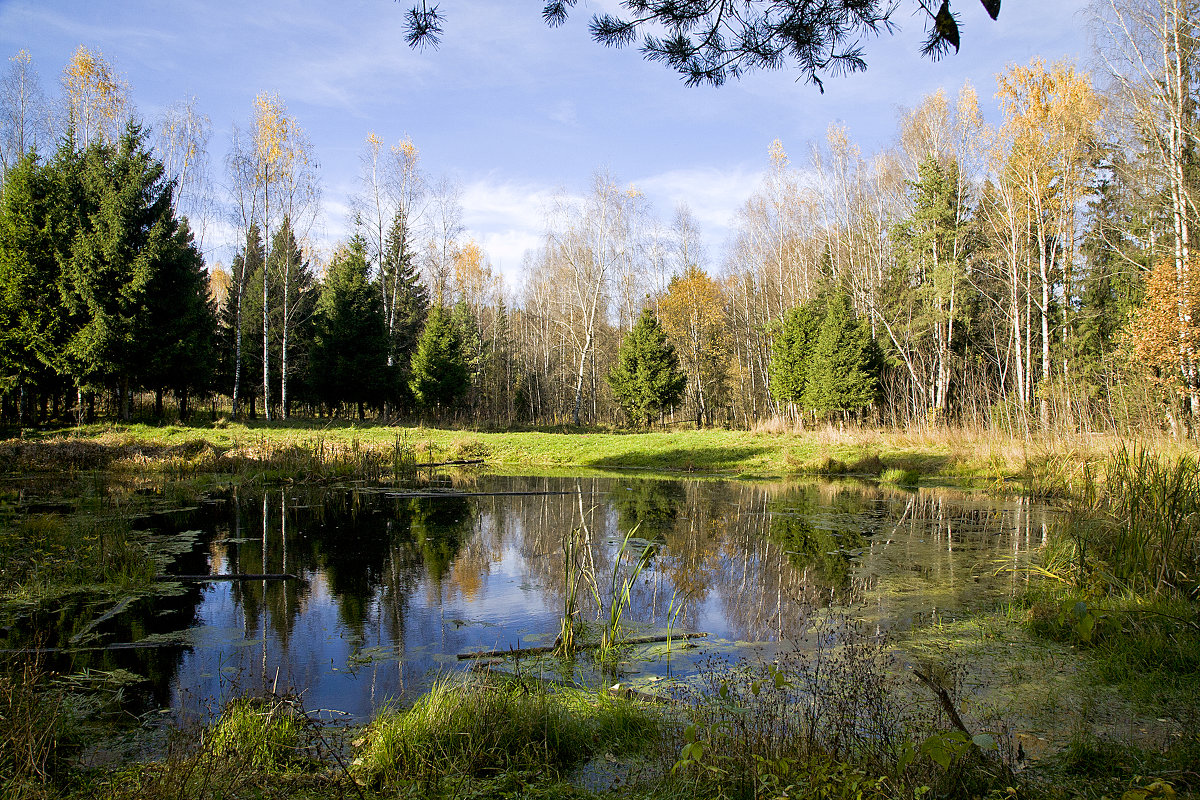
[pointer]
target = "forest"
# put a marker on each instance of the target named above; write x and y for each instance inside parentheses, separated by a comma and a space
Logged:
(1028, 274)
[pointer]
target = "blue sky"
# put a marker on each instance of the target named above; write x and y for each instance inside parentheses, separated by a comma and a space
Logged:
(511, 110)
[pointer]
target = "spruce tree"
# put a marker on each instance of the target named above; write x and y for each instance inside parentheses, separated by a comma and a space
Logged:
(349, 357)
(125, 228)
(177, 335)
(32, 322)
(441, 376)
(406, 304)
(291, 319)
(646, 377)
(792, 351)
(234, 347)
(844, 368)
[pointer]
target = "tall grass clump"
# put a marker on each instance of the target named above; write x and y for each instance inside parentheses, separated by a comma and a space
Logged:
(478, 727)
(896, 476)
(43, 554)
(574, 573)
(33, 718)
(620, 594)
(262, 733)
(1150, 521)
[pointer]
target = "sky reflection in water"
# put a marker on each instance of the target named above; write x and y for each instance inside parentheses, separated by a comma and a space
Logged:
(397, 583)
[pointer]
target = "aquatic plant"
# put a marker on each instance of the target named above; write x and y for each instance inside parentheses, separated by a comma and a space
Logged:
(263, 733)
(483, 727)
(828, 718)
(900, 477)
(620, 593)
(573, 572)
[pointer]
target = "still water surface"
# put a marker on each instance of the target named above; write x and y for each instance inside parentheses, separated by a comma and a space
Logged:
(396, 582)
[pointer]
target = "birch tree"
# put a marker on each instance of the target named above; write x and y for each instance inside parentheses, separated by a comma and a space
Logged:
(183, 135)
(97, 97)
(1148, 48)
(273, 170)
(24, 114)
(585, 239)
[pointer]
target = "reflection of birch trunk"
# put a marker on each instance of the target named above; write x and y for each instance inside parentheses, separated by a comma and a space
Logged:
(262, 627)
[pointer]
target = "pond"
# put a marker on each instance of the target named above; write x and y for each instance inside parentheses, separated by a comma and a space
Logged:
(392, 583)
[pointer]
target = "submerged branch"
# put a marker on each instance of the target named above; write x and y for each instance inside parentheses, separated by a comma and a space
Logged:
(529, 651)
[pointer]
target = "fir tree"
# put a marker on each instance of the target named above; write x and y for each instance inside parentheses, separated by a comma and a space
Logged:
(441, 376)
(32, 323)
(792, 351)
(406, 304)
(291, 319)
(125, 228)
(646, 377)
(234, 349)
(349, 358)
(178, 332)
(844, 368)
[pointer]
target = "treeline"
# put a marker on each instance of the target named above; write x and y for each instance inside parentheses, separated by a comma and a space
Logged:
(1029, 274)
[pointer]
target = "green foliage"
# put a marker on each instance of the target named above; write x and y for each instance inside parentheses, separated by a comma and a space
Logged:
(1133, 526)
(125, 228)
(900, 477)
(825, 360)
(441, 375)
(646, 377)
(293, 302)
(32, 322)
(621, 590)
(406, 304)
(1117, 261)
(178, 331)
(101, 286)
(262, 733)
(349, 357)
(479, 728)
(845, 363)
(792, 351)
(238, 320)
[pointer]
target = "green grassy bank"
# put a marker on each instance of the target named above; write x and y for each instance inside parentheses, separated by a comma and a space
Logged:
(308, 449)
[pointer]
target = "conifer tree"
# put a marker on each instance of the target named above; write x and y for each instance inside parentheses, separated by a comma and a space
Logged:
(32, 322)
(177, 335)
(407, 303)
(646, 377)
(844, 369)
(349, 358)
(792, 351)
(441, 376)
(126, 225)
(235, 317)
(294, 301)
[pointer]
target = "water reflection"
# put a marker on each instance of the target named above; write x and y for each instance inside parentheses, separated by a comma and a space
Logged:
(395, 583)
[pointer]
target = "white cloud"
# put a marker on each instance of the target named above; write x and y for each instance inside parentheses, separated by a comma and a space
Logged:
(713, 194)
(564, 113)
(507, 218)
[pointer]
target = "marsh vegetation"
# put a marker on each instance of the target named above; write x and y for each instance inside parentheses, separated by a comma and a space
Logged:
(1057, 642)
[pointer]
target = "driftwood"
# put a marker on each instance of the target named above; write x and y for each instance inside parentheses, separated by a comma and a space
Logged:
(241, 576)
(93, 648)
(532, 651)
(455, 463)
(422, 495)
(944, 698)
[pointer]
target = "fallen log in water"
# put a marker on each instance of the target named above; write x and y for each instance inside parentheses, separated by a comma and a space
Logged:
(532, 651)
(240, 576)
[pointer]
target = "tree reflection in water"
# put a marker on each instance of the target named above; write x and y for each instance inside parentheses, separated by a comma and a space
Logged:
(397, 582)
